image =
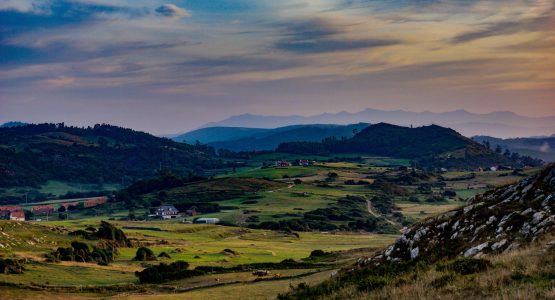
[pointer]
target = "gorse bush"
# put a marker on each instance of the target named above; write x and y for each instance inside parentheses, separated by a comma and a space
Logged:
(144, 254)
(81, 252)
(166, 272)
(12, 266)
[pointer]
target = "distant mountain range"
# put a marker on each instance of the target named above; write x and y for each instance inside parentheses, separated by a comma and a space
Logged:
(538, 147)
(250, 139)
(502, 124)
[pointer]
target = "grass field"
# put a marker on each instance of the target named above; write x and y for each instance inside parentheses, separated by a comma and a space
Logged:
(200, 245)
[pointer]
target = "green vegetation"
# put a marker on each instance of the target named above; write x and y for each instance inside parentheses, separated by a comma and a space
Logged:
(430, 146)
(145, 254)
(33, 154)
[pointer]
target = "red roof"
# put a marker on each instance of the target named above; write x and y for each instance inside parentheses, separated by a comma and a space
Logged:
(11, 208)
(17, 214)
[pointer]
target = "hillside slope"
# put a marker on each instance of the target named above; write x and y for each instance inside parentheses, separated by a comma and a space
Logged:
(498, 220)
(538, 147)
(499, 246)
(33, 154)
(432, 146)
(250, 139)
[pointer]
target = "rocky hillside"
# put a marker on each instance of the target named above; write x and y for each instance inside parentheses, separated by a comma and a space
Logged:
(496, 221)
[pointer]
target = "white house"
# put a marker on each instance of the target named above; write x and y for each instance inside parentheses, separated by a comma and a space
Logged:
(167, 212)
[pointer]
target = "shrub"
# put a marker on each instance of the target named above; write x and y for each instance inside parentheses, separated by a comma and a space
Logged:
(465, 266)
(442, 281)
(371, 283)
(164, 272)
(317, 253)
(164, 255)
(12, 266)
(144, 254)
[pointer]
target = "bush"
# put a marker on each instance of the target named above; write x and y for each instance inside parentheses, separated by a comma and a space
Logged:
(442, 281)
(80, 252)
(317, 253)
(164, 255)
(144, 254)
(12, 266)
(164, 272)
(371, 283)
(414, 199)
(466, 266)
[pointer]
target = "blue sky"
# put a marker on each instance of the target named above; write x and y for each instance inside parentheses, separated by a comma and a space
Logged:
(167, 67)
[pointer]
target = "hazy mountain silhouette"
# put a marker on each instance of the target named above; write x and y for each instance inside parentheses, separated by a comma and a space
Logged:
(500, 124)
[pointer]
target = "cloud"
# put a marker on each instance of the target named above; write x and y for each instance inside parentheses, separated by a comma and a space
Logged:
(172, 11)
(61, 81)
(321, 35)
(539, 23)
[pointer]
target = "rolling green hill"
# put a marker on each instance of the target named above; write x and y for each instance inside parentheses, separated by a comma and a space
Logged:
(431, 146)
(33, 154)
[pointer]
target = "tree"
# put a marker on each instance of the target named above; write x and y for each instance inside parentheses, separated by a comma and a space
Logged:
(507, 153)
(498, 149)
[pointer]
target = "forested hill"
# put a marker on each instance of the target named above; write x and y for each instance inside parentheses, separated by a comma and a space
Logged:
(433, 145)
(251, 139)
(33, 154)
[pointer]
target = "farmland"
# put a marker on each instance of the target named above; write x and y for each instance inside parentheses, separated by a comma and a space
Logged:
(252, 200)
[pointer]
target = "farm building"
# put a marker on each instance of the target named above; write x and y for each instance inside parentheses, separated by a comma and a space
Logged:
(43, 209)
(12, 212)
(167, 212)
(91, 202)
(17, 215)
(206, 221)
(67, 205)
(192, 211)
(304, 162)
(282, 163)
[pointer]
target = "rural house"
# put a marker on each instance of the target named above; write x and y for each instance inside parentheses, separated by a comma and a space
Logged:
(17, 215)
(12, 212)
(167, 212)
(91, 202)
(43, 209)
(282, 163)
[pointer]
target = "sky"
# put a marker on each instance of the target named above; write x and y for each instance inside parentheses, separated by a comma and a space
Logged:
(167, 67)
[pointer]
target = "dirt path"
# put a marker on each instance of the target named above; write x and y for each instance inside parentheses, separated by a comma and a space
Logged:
(371, 211)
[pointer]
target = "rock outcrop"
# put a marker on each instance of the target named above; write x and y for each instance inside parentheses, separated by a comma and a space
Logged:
(493, 222)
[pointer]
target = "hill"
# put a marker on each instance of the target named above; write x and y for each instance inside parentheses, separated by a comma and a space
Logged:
(13, 124)
(500, 124)
(495, 246)
(250, 139)
(538, 147)
(32, 154)
(431, 146)
(218, 134)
